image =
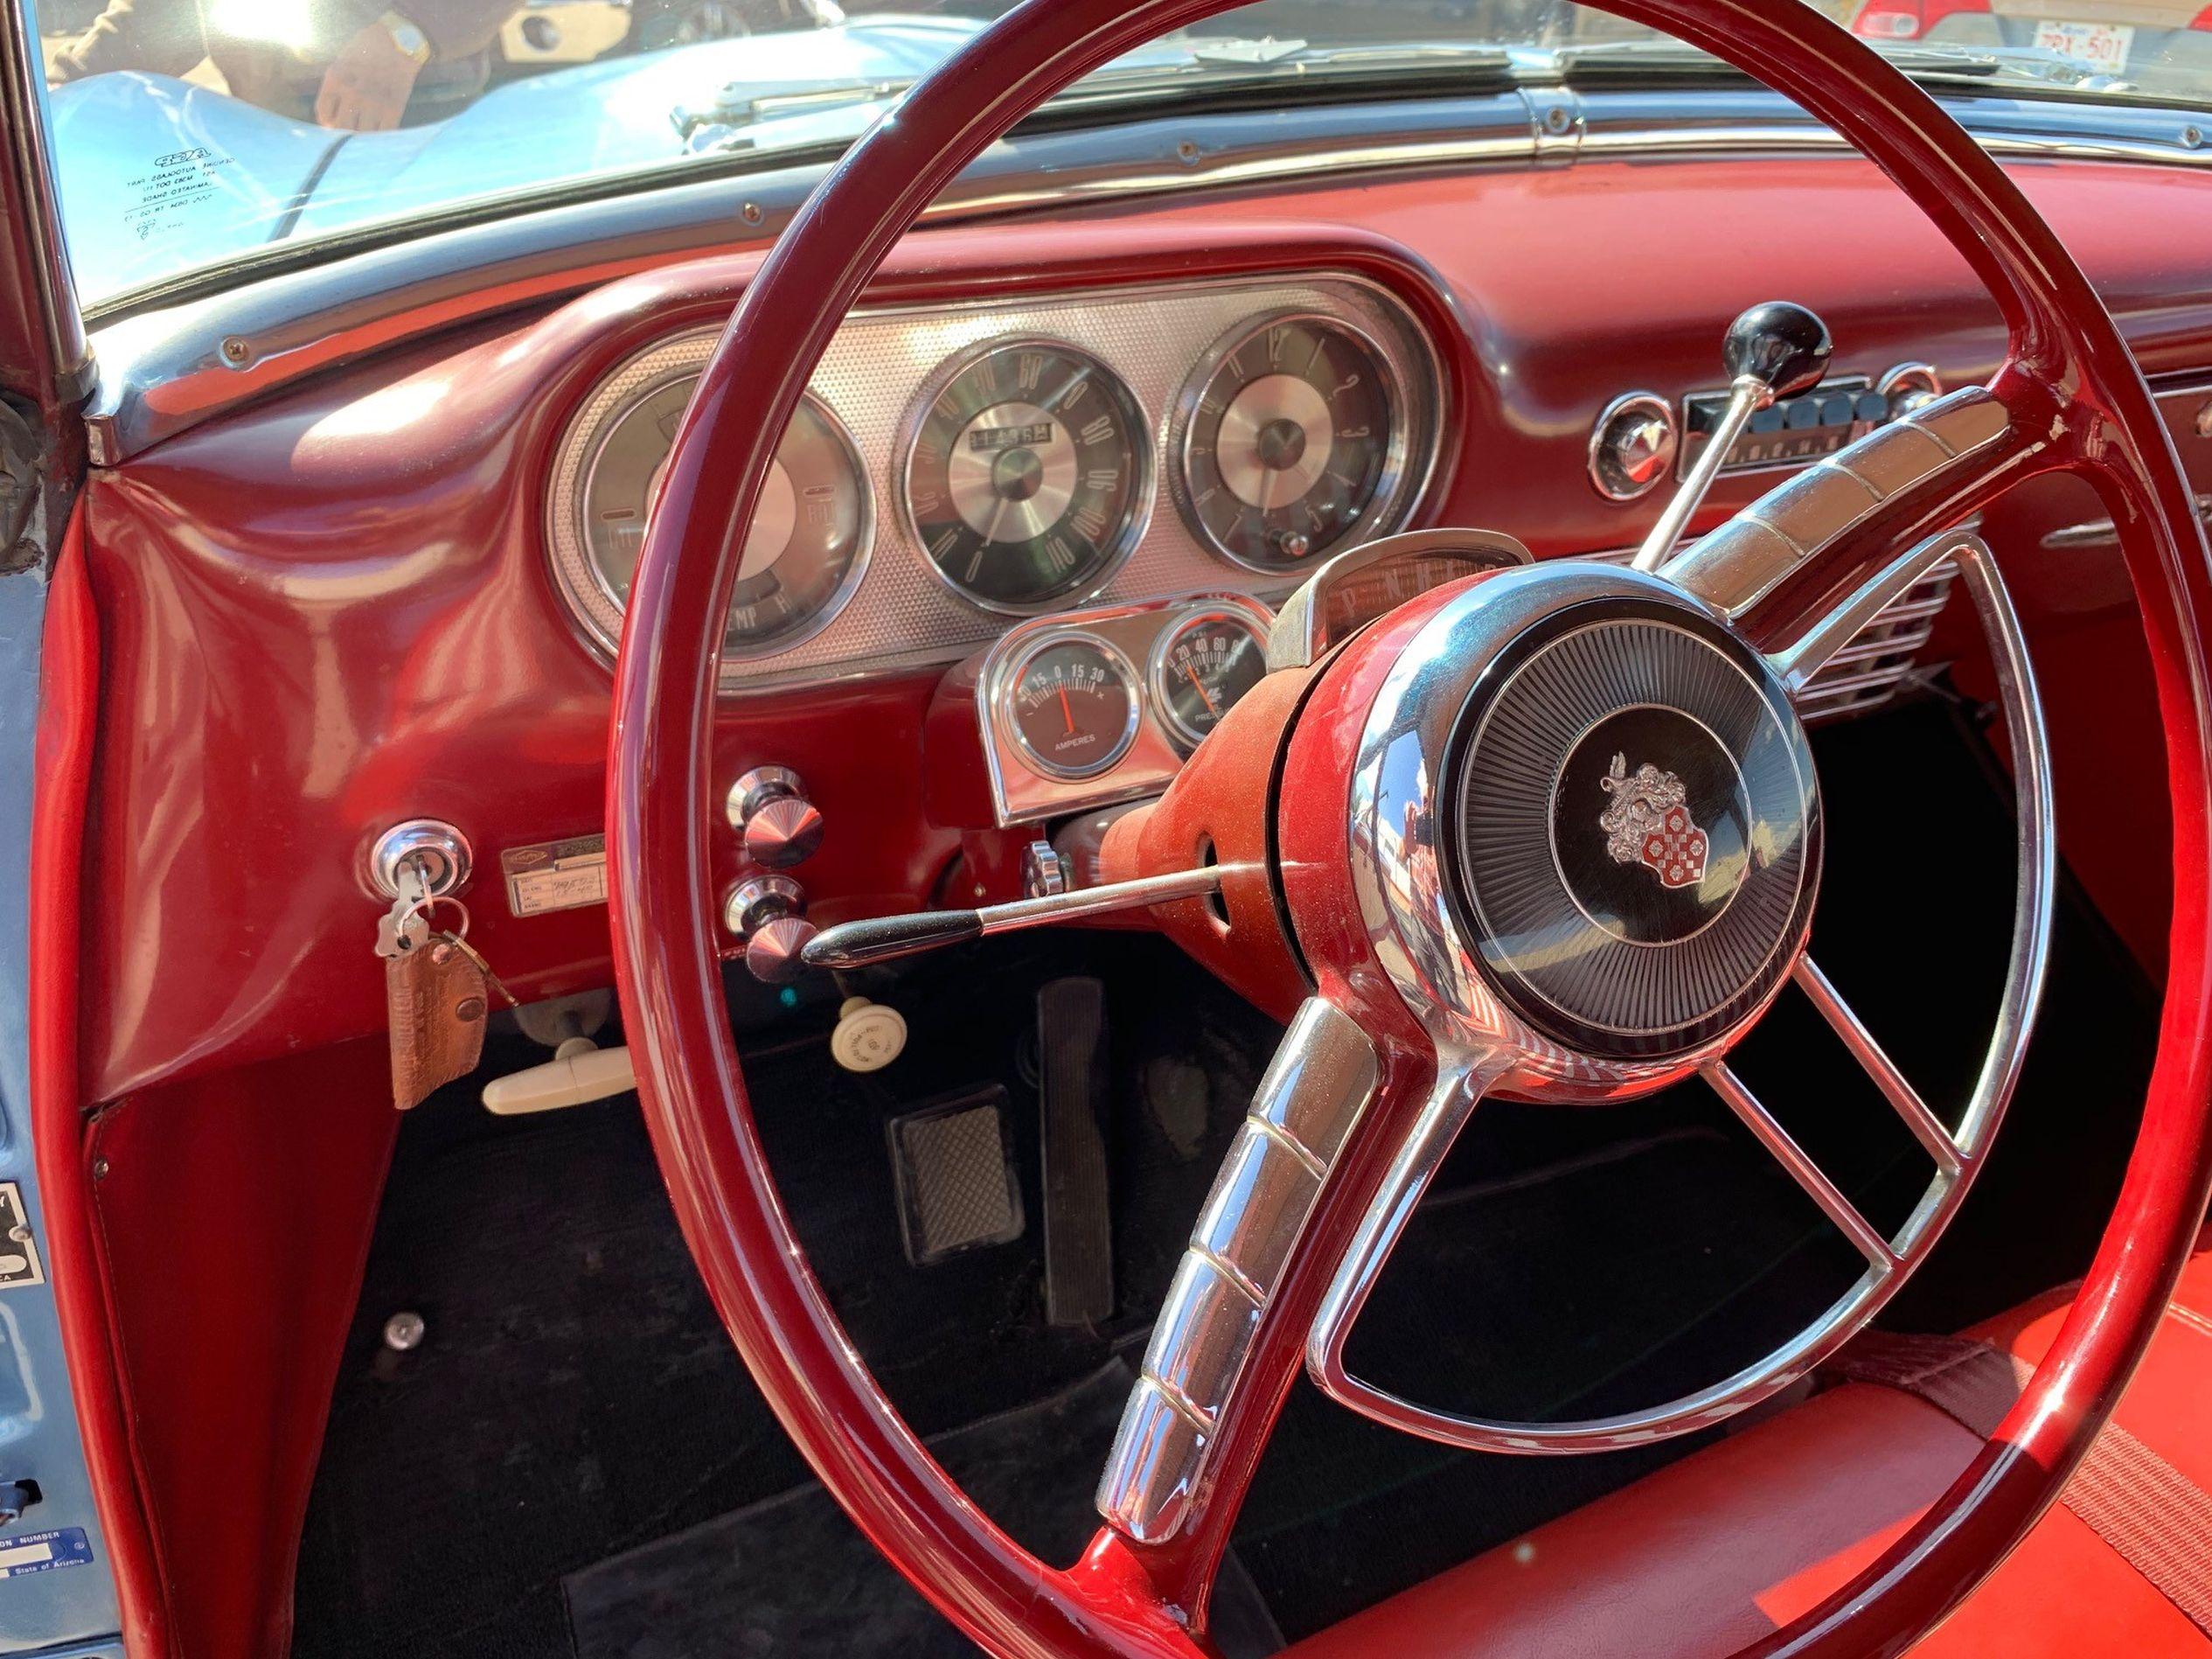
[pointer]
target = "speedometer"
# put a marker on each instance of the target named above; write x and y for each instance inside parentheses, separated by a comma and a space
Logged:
(809, 528)
(1290, 440)
(804, 553)
(1028, 475)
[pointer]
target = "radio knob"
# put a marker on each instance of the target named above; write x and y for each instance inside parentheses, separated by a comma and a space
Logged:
(768, 809)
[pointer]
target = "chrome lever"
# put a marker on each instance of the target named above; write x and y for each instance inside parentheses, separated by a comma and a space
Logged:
(885, 938)
(1774, 350)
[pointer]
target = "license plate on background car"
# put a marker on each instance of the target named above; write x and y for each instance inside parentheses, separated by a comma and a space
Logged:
(2105, 44)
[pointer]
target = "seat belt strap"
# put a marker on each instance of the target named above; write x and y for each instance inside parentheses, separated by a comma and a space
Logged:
(2150, 1514)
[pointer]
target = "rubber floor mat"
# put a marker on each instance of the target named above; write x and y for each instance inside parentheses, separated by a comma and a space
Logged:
(792, 1574)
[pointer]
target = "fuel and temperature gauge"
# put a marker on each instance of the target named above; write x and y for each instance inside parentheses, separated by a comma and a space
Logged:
(1200, 667)
(1074, 707)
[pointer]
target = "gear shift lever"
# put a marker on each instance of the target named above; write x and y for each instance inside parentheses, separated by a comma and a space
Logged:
(1773, 351)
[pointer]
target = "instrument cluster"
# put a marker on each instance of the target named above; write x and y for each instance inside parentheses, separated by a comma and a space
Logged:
(955, 467)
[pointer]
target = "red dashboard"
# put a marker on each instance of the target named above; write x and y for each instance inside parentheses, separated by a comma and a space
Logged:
(329, 609)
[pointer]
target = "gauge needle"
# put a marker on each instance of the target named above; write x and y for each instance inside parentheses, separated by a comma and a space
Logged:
(1066, 714)
(1199, 686)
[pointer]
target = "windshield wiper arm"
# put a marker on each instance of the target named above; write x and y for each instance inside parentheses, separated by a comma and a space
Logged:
(721, 125)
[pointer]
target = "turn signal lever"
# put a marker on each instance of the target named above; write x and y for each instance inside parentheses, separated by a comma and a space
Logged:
(1773, 351)
(885, 938)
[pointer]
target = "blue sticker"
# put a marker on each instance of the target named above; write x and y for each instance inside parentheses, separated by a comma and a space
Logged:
(44, 1552)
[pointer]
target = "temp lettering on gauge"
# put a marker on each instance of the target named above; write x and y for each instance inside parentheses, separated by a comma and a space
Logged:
(809, 529)
(1074, 706)
(1027, 477)
(1287, 441)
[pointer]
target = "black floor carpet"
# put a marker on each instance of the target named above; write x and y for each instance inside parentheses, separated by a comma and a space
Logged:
(575, 1415)
(792, 1576)
(575, 1396)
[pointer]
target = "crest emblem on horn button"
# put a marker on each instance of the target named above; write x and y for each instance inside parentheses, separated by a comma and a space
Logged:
(1649, 823)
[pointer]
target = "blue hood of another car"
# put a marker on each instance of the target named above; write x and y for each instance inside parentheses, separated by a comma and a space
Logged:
(158, 176)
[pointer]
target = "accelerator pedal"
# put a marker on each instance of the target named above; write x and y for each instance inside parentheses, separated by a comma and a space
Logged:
(1079, 1224)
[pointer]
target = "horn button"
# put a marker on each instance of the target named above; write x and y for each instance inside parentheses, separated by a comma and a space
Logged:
(1636, 834)
(1651, 825)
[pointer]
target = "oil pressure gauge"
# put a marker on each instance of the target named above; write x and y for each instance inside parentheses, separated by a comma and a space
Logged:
(1290, 440)
(1200, 669)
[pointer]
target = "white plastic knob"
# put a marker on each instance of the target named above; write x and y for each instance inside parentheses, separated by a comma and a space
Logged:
(572, 1076)
(869, 1036)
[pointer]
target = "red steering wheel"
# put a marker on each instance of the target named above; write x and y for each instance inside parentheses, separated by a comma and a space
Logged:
(1400, 988)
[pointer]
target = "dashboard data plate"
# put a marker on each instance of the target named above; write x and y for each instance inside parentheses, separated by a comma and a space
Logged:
(555, 876)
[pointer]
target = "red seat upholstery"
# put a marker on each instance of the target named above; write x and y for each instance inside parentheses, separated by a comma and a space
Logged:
(1718, 1549)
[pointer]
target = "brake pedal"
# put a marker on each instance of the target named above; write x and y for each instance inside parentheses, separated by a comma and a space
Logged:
(956, 1186)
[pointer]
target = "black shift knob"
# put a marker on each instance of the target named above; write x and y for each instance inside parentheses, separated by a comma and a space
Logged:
(1784, 345)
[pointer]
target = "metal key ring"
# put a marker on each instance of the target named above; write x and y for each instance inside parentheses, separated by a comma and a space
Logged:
(430, 904)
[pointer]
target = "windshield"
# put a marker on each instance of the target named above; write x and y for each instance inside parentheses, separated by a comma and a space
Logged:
(190, 134)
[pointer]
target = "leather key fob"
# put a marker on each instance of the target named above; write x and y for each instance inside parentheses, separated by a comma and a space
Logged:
(434, 997)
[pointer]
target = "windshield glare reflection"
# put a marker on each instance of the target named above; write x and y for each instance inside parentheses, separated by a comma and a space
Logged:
(190, 133)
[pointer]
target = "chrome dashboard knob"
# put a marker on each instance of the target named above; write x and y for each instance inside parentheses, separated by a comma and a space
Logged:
(768, 809)
(784, 832)
(773, 951)
(766, 915)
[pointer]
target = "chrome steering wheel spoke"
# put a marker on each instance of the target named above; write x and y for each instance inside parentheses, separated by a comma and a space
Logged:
(1210, 1352)
(1935, 1139)
(1790, 569)
(1767, 1129)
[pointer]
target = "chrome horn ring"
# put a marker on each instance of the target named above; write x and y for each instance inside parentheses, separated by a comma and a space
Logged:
(1490, 996)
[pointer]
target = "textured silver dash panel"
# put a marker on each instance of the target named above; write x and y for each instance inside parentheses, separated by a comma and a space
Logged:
(882, 364)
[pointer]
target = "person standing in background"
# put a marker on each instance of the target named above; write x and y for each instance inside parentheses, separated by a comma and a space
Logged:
(348, 65)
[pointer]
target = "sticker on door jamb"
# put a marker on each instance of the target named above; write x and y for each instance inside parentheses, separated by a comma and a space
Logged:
(19, 1250)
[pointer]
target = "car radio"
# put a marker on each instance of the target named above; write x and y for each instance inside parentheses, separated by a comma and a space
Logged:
(1795, 430)
(1639, 437)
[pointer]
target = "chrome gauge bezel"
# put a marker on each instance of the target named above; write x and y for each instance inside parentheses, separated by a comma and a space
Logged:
(1397, 487)
(1144, 431)
(1010, 688)
(1024, 793)
(1179, 731)
(593, 605)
